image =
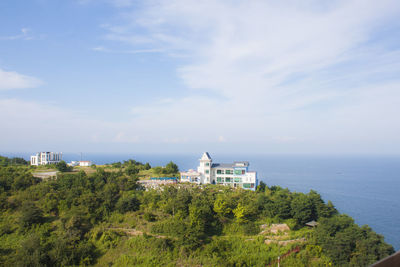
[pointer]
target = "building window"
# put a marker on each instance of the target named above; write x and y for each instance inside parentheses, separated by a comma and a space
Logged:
(207, 171)
(237, 180)
(207, 164)
(247, 186)
(237, 172)
(228, 172)
(220, 179)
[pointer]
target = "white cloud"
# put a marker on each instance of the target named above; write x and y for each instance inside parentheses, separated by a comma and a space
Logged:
(265, 75)
(14, 80)
(24, 35)
(276, 69)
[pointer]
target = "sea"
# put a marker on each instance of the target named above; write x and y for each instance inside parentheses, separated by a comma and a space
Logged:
(365, 187)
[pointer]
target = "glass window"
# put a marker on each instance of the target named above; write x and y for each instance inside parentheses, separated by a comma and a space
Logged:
(207, 171)
(218, 171)
(207, 164)
(243, 171)
(238, 172)
(228, 179)
(228, 172)
(238, 180)
(219, 179)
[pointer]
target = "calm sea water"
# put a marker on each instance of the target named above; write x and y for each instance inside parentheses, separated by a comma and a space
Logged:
(366, 188)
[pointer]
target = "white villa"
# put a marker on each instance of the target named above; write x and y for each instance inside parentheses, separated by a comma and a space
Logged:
(233, 174)
(44, 158)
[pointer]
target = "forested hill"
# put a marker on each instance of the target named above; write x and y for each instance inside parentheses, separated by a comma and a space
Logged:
(101, 216)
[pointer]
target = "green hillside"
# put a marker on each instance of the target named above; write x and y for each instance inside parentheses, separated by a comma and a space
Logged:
(104, 218)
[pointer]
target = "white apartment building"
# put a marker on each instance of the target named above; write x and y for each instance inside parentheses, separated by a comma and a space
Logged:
(235, 174)
(44, 158)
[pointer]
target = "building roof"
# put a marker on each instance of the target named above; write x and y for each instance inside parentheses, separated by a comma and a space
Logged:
(230, 165)
(222, 165)
(206, 156)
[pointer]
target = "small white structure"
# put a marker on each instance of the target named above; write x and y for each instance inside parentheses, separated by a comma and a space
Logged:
(235, 174)
(73, 163)
(44, 158)
(85, 163)
(191, 176)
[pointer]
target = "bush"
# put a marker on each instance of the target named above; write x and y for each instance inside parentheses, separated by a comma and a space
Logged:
(30, 214)
(128, 203)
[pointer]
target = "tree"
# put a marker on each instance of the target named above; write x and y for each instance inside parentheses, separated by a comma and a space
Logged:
(240, 213)
(221, 206)
(63, 167)
(128, 203)
(261, 187)
(147, 166)
(171, 168)
(30, 214)
(301, 209)
(131, 170)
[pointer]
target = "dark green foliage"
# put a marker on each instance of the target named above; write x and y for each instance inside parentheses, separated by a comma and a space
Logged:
(128, 203)
(5, 161)
(302, 209)
(30, 215)
(32, 253)
(116, 165)
(261, 187)
(148, 216)
(132, 170)
(171, 168)
(63, 167)
(344, 242)
(147, 166)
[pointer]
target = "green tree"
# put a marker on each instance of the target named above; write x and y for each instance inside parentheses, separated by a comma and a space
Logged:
(221, 206)
(171, 168)
(63, 167)
(261, 187)
(301, 209)
(131, 170)
(128, 203)
(30, 214)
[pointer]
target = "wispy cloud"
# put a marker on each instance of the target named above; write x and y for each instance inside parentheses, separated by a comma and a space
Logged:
(14, 80)
(24, 35)
(137, 51)
(305, 75)
(279, 68)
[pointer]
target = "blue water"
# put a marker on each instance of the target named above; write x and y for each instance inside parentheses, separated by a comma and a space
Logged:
(364, 187)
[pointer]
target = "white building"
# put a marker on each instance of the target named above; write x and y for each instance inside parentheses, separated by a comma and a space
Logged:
(235, 174)
(44, 158)
(85, 163)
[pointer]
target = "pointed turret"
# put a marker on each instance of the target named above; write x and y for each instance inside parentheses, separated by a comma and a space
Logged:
(206, 156)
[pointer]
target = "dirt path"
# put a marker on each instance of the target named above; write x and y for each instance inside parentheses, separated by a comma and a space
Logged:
(134, 232)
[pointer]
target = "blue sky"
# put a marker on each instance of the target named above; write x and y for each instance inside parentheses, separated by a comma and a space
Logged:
(184, 76)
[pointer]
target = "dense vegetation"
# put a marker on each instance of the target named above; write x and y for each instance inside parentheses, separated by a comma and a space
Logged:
(106, 218)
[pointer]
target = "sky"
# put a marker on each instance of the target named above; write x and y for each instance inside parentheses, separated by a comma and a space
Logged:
(187, 76)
